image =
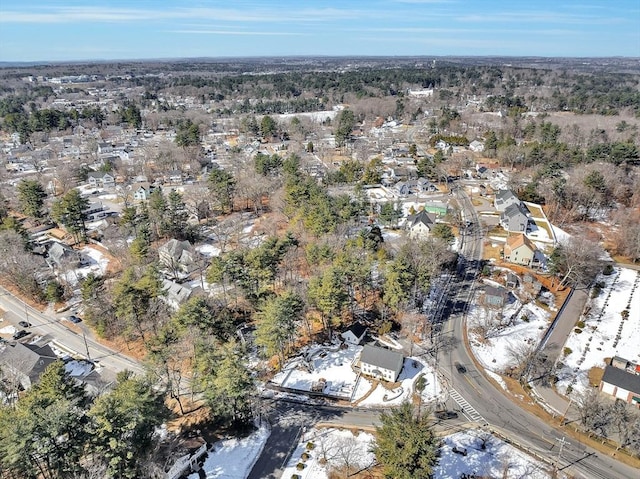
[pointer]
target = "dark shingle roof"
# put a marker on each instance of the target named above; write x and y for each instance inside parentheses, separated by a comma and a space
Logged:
(622, 379)
(358, 329)
(382, 358)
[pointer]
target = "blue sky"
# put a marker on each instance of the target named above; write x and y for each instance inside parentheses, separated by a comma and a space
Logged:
(59, 30)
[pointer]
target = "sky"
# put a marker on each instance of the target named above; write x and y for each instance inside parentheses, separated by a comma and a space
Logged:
(66, 30)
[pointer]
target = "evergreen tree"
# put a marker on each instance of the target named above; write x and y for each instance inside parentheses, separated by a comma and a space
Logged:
(31, 197)
(406, 445)
(69, 210)
(122, 425)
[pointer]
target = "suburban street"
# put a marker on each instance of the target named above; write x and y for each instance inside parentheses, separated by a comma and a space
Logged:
(54, 328)
(483, 403)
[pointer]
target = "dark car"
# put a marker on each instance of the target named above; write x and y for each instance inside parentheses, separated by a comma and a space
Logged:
(20, 334)
(446, 414)
(24, 324)
(74, 319)
(460, 368)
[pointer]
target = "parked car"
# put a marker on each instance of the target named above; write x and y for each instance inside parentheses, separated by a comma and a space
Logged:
(446, 414)
(24, 324)
(460, 368)
(20, 334)
(460, 450)
(74, 319)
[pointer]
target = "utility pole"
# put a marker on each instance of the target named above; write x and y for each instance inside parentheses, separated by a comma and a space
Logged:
(84, 337)
(562, 443)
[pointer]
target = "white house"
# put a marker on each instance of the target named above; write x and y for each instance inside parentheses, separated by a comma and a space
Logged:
(101, 179)
(355, 333)
(381, 363)
(420, 224)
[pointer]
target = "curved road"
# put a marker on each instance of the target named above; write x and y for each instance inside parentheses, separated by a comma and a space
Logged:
(483, 402)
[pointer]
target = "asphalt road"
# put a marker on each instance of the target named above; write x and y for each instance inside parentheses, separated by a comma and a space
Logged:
(481, 401)
(55, 328)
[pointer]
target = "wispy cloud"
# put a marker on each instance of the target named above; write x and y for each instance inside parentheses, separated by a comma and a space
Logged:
(539, 17)
(121, 15)
(235, 32)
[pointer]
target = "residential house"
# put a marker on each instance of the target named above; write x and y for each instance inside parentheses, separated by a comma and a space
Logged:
(515, 218)
(60, 255)
(178, 257)
(520, 250)
(99, 179)
(354, 334)
(476, 146)
(142, 191)
(495, 297)
(95, 211)
(621, 384)
(381, 363)
(25, 363)
(174, 293)
(420, 224)
(505, 198)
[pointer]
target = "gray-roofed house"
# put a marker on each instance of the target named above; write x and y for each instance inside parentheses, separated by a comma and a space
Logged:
(60, 255)
(515, 218)
(25, 362)
(178, 257)
(621, 384)
(420, 224)
(495, 297)
(381, 363)
(174, 293)
(101, 179)
(354, 333)
(505, 198)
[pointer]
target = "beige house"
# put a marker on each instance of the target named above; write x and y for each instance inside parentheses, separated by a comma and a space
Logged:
(520, 250)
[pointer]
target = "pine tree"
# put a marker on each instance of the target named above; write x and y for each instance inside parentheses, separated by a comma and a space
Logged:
(406, 445)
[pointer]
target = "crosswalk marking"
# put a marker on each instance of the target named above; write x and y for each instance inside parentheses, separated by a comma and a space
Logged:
(467, 409)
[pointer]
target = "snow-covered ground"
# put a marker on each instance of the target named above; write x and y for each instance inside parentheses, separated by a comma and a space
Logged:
(97, 265)
(333, 365)
(498, 350)
(331, 449)
(605, 333)
(498, 459)
(208, 250)
(233, 458)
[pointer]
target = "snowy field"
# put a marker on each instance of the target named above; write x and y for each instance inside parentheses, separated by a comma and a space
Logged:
(498, 459)
(233, 458)
(498, 338)
(332, 448)
(605, 333)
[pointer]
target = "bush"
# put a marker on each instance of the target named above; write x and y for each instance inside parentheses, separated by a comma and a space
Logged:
(300, 466)
(577, 330)
(608, 269)
(580, 324)
(567, 351)
(296, 476)
(525, 318)
(310, 445)
(304, 456)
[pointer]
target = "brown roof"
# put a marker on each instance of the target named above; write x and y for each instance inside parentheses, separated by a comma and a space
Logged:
(515, 241)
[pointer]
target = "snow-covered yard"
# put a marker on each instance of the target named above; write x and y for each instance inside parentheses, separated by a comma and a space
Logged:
(497, 337)
(604, 333)
(331, 364)
(97, 265)
(233, 458)
(497, 459)
(327, 449)
(321, 450)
